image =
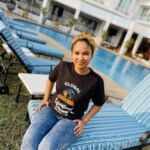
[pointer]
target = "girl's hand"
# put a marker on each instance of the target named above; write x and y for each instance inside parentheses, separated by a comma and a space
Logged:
(79, 128)
(43, 103)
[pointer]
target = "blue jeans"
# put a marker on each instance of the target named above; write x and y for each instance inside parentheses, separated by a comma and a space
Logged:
(48, 132)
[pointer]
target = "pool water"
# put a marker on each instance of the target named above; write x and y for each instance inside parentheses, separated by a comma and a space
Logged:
(123, 72)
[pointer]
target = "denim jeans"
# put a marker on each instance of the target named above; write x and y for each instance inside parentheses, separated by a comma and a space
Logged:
(48, 132)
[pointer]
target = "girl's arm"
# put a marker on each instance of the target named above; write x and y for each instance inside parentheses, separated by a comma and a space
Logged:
(48, 90)
(81, 123)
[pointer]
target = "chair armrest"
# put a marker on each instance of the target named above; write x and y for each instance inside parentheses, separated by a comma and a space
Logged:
(145, 137)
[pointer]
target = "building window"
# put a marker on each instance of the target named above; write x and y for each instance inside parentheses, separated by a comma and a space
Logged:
(31, 6)
(124, 5)
(86, 25)
(57, 12)
(145, 14)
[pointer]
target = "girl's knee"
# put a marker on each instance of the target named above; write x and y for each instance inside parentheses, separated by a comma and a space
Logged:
(28, 143)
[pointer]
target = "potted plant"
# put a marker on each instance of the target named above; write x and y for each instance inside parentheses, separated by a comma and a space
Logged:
(129, 43)
(104, 35)
(72, 22)
(25, 12)
(11, 5)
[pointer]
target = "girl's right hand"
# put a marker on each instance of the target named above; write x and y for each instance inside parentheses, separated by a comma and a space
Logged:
(43, 103)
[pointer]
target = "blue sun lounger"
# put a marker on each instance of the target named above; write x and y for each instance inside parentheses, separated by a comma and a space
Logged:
(116, 127)
(15, 26)
(40, 48)
(21, 31)
(30, 37)
(31, 64)
(15, 23)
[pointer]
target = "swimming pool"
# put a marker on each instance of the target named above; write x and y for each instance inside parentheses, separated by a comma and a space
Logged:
(123, 72)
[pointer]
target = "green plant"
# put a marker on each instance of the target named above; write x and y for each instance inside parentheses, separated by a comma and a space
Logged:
(72, 22)
(129, 43)
(25, 12)
(104, 35)
(45, 10)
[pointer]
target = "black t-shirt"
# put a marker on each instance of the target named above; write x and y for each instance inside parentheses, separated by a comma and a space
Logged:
(74, 91)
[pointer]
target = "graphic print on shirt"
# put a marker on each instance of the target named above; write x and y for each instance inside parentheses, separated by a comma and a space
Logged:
(64, 102)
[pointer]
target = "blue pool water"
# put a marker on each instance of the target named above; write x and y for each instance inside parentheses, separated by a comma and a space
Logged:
(123, 72)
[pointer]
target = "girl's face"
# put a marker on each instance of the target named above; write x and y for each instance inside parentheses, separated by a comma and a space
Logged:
(81, 55)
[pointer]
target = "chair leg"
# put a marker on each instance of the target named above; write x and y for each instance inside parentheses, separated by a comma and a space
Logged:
(27, 120)
(18, 94)
(27, 117)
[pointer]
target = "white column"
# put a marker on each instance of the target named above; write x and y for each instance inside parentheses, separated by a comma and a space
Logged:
(104, 27)
(137, 44)
(76, 15)
(128, 36)
(44, 4)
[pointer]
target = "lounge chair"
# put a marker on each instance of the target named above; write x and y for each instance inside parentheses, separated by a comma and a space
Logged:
(40, 48)
(15, 26)
(116, 127)
(31, 64)
(29, 36)
(15, 23)
(20, 31)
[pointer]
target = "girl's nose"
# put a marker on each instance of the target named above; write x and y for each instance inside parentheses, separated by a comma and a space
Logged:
(80, 57)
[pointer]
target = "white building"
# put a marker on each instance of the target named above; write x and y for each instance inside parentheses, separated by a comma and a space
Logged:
(120, 19)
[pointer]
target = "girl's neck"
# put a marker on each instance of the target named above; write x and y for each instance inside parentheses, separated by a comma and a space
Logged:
(83, 71)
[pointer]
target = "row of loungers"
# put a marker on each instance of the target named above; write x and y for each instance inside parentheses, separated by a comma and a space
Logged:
(29, 40)
(32, 64)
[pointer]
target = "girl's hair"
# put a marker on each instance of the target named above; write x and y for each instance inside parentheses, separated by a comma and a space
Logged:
(87, 38)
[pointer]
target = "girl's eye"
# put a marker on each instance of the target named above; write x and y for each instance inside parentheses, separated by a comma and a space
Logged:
(77, 53)
(86, 54)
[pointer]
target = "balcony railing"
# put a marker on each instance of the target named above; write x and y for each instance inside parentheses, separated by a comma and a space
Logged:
(122, 10)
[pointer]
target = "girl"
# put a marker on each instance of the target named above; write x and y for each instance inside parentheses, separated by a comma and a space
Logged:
(58, 122)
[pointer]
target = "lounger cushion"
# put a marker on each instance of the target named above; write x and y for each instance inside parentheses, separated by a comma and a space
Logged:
(41, 49)
(111, 129)
(31, 37)
(41, 66)
(32, 64)
(137, 103)
(15, 27)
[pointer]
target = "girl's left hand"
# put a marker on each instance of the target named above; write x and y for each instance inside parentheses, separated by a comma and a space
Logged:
(79, 128)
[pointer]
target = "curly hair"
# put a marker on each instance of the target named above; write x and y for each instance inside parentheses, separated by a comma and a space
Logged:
(86, 38)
